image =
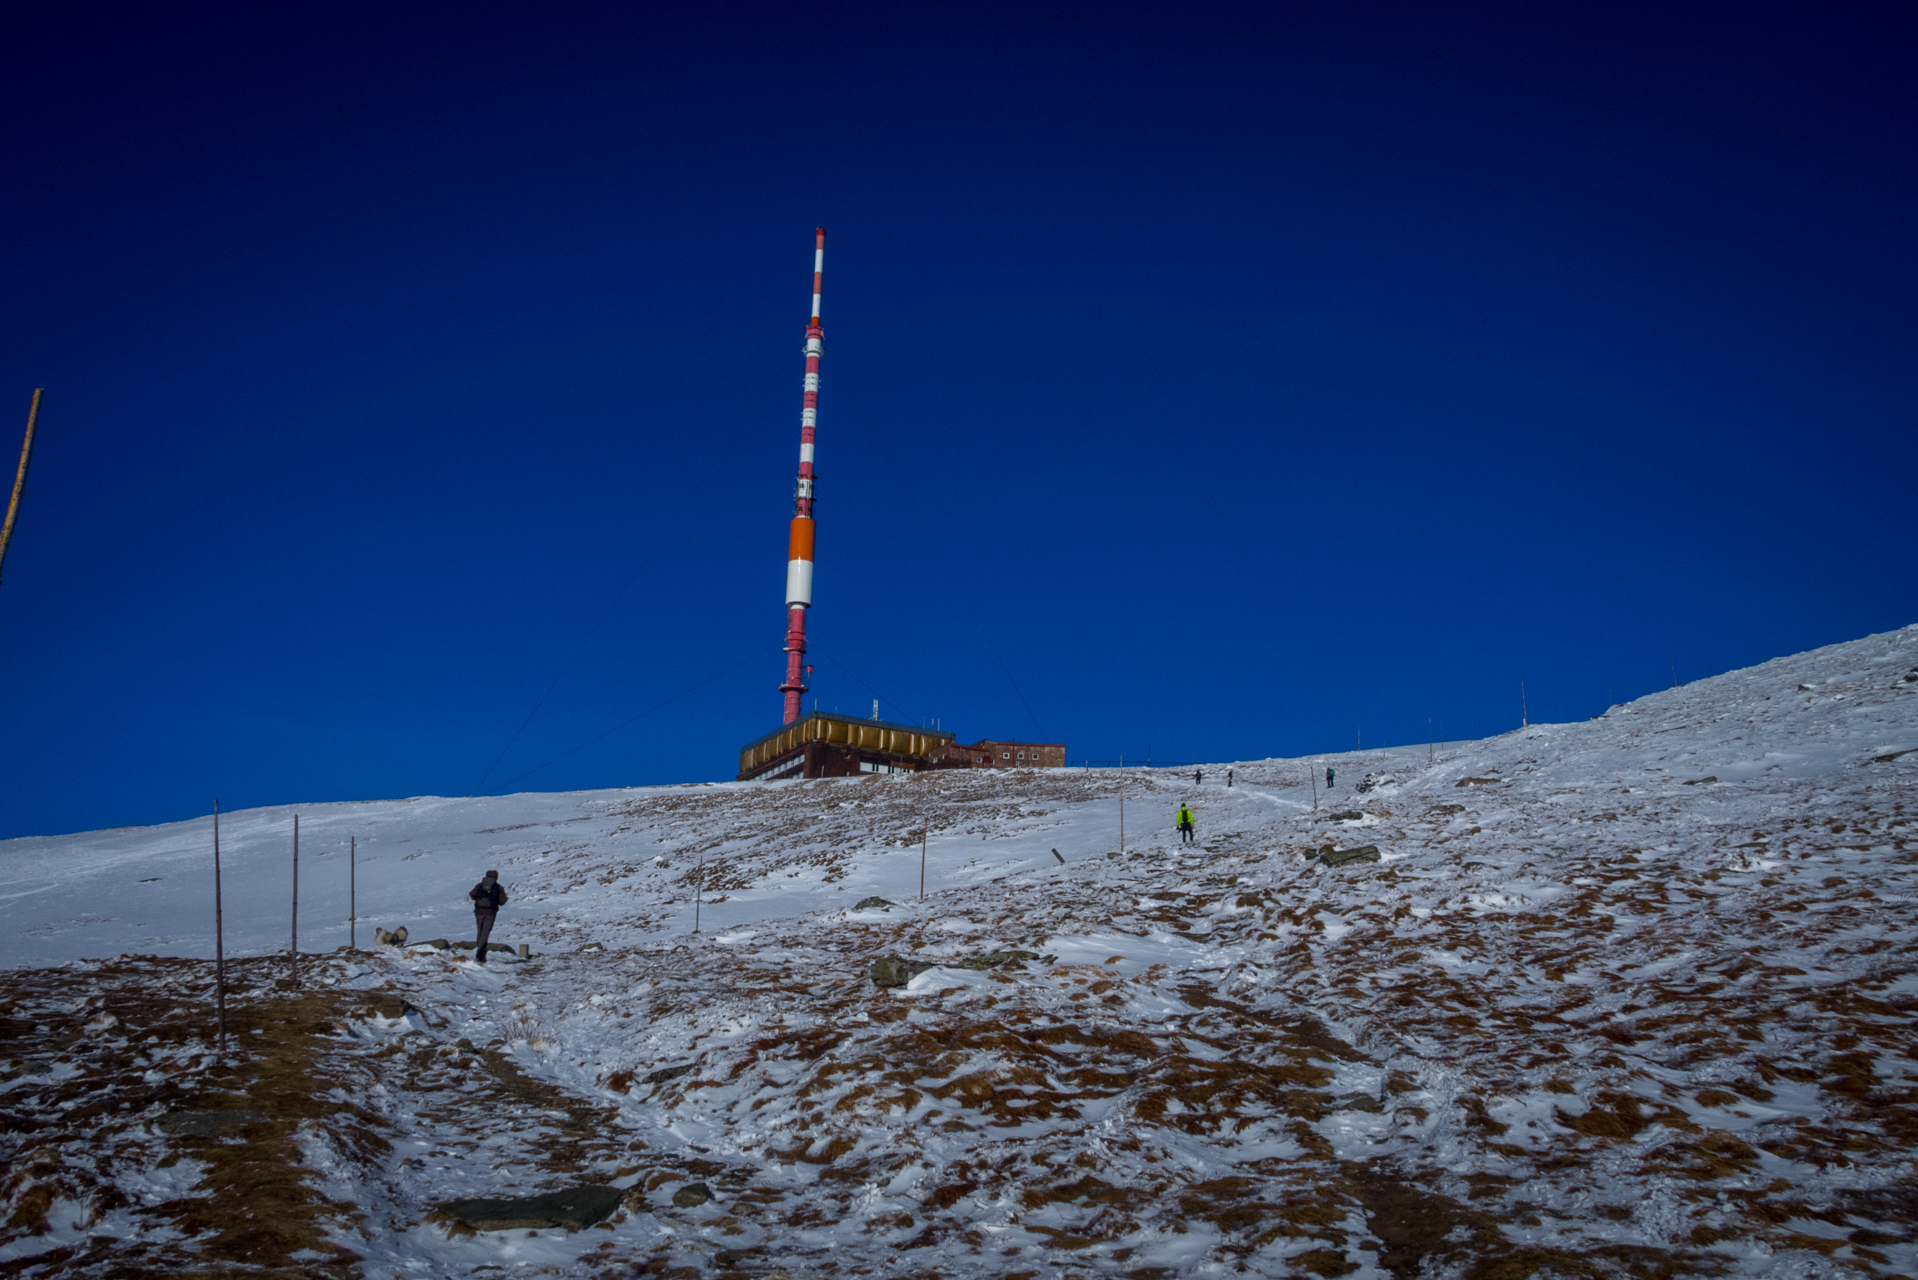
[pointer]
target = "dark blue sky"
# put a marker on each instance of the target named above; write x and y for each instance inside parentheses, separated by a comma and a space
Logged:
(1243, 378)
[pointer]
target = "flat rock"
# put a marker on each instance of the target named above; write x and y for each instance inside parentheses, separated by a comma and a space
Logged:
(872, 904)
(573, 1209)
(670, 1073)
(692, 1195)
(993, 959)
(208, 1124)
(1344, 857)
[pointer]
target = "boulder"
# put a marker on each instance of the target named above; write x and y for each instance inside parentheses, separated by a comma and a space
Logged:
(895, 971)
(1345, 857)
(692, 1195)
(872, 904)
(1349, 815)
(573, 1209)
(208, 1124)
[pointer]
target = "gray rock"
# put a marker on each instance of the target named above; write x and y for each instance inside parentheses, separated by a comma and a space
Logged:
(993, 959)
(670, 1073)
(1448, 808)
(573, 1209)
(894, 971)
(872, 904)
(1345, 857)
(1350, 815)
(208, 1124)
(1358, 1102)
(440, 944)
(692, 1195)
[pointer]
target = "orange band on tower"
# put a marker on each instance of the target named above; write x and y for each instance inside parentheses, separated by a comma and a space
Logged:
(799, 547)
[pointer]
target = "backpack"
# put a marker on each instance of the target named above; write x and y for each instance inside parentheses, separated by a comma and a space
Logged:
(485, 899)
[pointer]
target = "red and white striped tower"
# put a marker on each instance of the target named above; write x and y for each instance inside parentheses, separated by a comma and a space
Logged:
(800, 544)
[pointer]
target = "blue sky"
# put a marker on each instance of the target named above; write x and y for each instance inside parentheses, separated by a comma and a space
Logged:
(1213, 382)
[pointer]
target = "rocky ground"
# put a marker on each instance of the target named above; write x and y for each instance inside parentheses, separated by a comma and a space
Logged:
(1633, 997)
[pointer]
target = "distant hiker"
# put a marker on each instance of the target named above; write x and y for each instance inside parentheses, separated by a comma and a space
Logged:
(1328, 777)
(1228, 777)
(488, 897)
(1198, 777)
(1185, 825)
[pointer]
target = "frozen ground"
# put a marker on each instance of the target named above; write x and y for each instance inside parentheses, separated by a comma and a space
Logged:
(1626, 997)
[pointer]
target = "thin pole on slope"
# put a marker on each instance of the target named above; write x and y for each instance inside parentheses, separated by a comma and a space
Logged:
(219, 935)
(925, 834)
(1524, 716)
(1431, 742)
(1122, 817)
(1312, 773)
(353, 895)
(20, 476)
(699, 888)
(1674, 675)
(293, 955)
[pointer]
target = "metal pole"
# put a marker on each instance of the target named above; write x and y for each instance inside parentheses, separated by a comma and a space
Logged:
(925, 834)
(699, 888)
(20, 476)
(353, 895)
(294, 967)
(1122, 817)
(1312, 772)
(219, 936)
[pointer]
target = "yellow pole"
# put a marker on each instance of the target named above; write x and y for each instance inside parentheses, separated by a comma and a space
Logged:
(20, 477)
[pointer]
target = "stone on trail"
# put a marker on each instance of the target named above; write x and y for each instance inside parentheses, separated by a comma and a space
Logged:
(573, 1209)
(1343, 857)
(872, 904)
(1350, 815)
(692, 1195)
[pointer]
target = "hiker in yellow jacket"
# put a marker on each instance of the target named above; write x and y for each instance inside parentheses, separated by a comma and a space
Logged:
(1185, 825)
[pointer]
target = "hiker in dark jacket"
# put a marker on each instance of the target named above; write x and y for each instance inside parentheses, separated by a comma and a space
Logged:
(488, 897)
(1328, 777)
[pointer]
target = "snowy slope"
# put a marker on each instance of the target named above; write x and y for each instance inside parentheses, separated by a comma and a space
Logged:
(1622, 995)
